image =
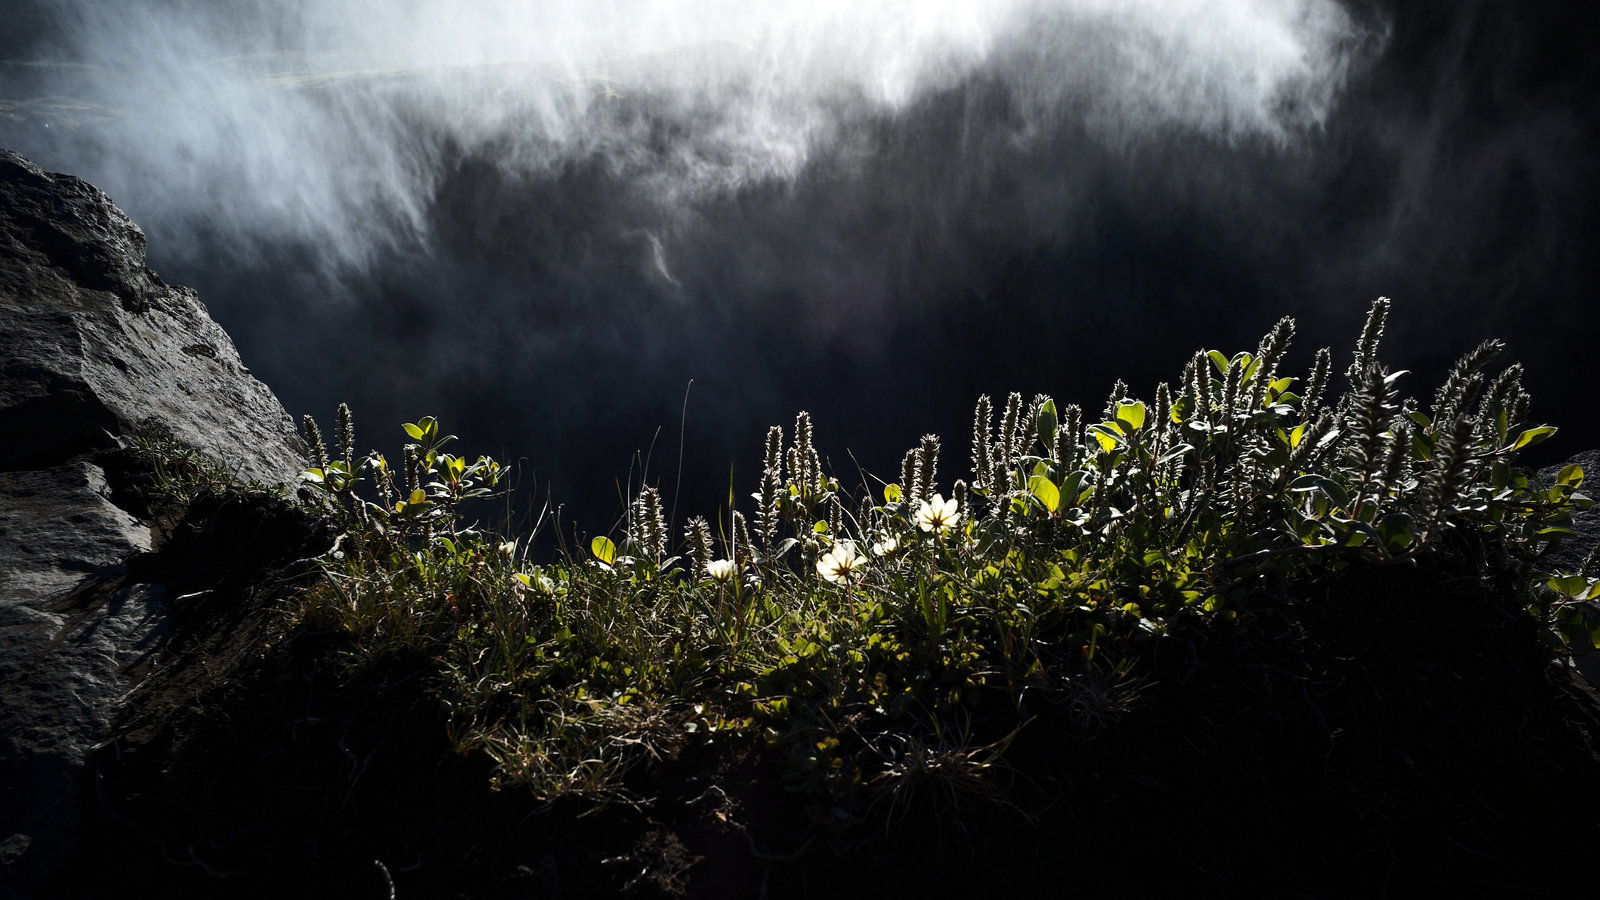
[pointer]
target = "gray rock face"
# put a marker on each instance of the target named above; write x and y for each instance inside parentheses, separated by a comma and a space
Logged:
(97, 346)
(62, 648)
(95, 349)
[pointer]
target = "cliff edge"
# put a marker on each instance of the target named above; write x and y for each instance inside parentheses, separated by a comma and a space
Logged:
(98, 354)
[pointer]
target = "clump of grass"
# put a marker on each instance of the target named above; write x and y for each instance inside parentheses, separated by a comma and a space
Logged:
(898, 638)
(175, 472)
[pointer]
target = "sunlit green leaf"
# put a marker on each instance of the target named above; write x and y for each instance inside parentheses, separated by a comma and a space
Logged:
(603, 549)
(1131, 413)
(1533, 436)
(1045, 492)
(1107, 436)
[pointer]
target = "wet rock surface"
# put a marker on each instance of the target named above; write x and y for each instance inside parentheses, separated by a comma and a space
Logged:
(98, 352)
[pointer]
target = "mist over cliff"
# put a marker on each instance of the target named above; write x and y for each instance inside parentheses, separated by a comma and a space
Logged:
(540, 222)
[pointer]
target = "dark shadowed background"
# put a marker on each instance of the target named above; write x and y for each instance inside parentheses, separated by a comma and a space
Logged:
(539, 222)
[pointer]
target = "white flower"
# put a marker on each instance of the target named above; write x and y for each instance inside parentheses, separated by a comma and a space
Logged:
(720, 569)
(841, 563)
(937, 514)
(888, 545)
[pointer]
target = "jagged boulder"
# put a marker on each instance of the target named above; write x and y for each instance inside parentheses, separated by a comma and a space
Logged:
(96, 350)
(98, 346)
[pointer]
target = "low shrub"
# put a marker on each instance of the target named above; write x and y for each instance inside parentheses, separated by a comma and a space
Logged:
(896, 639)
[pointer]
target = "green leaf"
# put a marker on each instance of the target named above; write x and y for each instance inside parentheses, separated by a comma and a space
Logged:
(1533, 436)
(1173, 454)
(892, 493)
(1422, 445)
(1045, 492)
(1107, 436)
(1132, 414)
(1397, 531)
(603, 549)
(1250, 367)
(820, 528)
(1570, 585)
(1500, 475)
(1329, 488)
(1571, 475)
(1218, 360)
(413, 430)
(1045, 424)
(1072, 487)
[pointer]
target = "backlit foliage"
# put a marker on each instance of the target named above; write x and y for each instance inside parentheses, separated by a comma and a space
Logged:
(893, 637)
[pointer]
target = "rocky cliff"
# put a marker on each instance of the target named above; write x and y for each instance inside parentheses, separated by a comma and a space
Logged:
(97, 353)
